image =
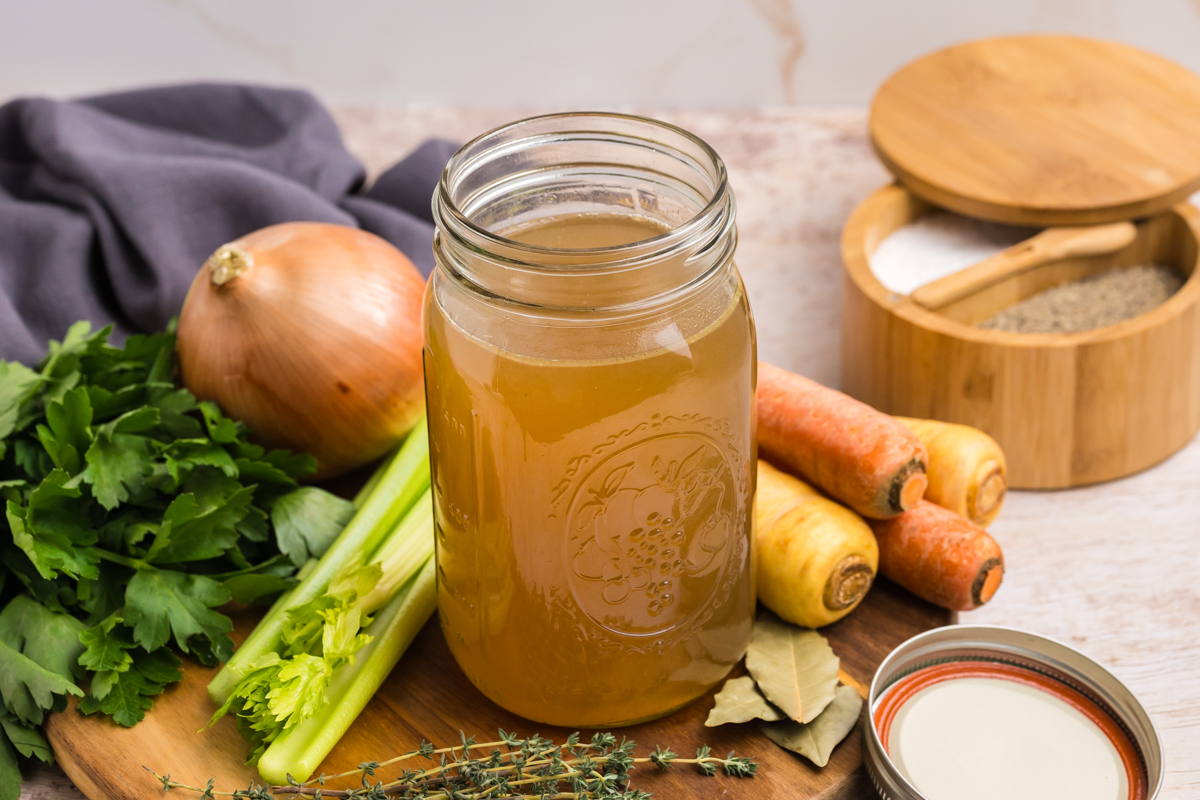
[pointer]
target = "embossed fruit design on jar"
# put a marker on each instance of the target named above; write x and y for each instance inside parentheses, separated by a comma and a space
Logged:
(590, 367)
(636, 545)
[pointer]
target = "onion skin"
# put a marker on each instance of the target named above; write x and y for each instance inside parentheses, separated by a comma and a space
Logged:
(313, 339)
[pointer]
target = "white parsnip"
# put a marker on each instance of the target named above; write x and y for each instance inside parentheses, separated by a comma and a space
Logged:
(816, 559)
(967, 471)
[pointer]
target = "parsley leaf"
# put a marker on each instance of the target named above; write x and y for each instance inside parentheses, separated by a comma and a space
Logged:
(307, 521)
(173, 414)
(55, 594)
(194, 532)
(53, 529)
(107, 646)
(127, 696)
(68, 432)
(62, 370)
(251, 588)
(184, 455)
(38, 651)
(161, 666)
(10, 772)
(118, 461)
(26, 739)
(220, 427)
(162, 603)
(295, 465)
(116, 465)
(16, 383)
(28, 742)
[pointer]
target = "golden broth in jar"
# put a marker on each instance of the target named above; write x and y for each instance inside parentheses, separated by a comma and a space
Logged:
(593, 473)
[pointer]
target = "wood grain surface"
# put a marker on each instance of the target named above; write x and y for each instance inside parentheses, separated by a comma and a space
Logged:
(1068, 408)
(1111, 569)
(428, 697)
(1042, 130)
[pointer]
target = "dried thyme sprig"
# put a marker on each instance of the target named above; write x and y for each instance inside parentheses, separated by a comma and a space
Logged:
(598, 769)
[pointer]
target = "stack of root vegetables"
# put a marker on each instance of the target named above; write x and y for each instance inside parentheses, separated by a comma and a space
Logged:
(849, 491)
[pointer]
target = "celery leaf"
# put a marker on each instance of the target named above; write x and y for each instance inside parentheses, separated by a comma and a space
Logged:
(331, 619)
(298, 689)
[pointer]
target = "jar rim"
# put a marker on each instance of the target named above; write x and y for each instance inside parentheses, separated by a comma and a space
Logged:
(444, 202)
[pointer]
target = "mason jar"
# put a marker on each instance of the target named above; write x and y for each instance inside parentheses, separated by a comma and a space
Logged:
(590, 367)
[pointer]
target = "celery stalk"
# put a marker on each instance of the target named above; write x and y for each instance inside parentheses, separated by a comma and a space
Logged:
(299, 752)
(277, 613)
(405, 477)
(402, 554)
(281, 604)
(365, 492)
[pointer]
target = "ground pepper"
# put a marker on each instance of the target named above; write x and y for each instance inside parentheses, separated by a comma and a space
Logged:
(1092, 302)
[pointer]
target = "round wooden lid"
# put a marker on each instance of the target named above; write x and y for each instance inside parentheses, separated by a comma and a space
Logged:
(1042, 130)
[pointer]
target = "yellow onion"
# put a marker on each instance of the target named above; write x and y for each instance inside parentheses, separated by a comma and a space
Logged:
(310, 334)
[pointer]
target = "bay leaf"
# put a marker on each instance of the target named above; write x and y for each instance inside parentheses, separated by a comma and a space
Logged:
(816, 740)
(740, 701)
(794, 667)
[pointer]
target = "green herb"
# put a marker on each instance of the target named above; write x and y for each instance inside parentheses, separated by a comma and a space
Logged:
(23, 739)
(319, 655)
(134, 512)
(307, 521)
(509, 768)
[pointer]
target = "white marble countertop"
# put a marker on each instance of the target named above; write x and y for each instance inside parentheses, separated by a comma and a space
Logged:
(1112, 569)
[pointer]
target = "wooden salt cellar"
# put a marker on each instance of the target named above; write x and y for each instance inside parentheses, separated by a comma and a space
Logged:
(1036, 130)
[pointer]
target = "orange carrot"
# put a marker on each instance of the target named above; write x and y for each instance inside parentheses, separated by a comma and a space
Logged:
(940, 556)
(858, 455)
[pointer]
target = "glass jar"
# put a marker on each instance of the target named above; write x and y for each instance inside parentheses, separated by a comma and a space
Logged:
(590, 367)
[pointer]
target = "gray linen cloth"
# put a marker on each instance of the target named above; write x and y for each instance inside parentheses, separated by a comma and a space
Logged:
(110, 204)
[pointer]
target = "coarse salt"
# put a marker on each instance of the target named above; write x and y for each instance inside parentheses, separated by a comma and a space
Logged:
(936, 245)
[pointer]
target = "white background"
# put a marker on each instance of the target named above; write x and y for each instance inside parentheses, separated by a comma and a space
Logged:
(564, 53)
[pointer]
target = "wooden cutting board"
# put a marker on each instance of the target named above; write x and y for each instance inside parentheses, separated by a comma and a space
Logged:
(428, 697)
(1042, 130)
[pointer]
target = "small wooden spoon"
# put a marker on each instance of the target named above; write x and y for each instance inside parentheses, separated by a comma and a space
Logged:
(1052, 244)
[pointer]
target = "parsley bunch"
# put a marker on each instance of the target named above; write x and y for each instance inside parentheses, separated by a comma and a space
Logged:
(134, 512)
